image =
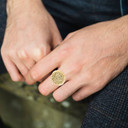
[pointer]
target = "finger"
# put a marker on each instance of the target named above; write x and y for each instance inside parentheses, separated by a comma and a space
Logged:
(26, 60)
(44, 78)
(83, 93)
(12, 70)
(21, 67)
(38, 53)
(46, 65)
(29, 63)
(66, 90)
(48, 86)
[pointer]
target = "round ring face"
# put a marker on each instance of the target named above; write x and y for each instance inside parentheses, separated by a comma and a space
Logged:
(58, 77)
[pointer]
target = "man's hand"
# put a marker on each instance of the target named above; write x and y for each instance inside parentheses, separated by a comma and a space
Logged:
(89, 58)
(30, 34)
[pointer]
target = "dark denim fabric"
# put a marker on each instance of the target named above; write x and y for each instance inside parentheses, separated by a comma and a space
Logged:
(71, 15)
(109, 107)
(124, 7)
(2, 29)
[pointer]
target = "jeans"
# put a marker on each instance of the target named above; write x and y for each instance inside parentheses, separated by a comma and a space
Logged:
(2, 29)
(124, 7)
(107, 108)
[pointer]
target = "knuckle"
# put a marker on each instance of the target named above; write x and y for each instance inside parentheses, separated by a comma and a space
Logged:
(74, 68)
(12, 53)
(96, 86)
(22, 54)
(24, 70)
(42, 49)
(47, 49)
(70, 35)
(65, 51)
(88, 76)
(77, 66)
(39, 52)
(3, 52)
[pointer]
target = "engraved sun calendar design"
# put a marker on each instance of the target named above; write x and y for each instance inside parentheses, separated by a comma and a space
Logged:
(58, 77)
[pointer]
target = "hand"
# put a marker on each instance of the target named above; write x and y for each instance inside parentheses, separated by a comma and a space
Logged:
(30, 34)
(89, 58)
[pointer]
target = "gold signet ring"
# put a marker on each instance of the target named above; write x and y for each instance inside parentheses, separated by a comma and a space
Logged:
(58, 77)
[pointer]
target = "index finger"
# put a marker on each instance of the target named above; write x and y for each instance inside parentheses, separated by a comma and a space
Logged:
(46, 65)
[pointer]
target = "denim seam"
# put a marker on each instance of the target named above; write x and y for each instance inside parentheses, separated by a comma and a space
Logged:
(102, 112)
(110, 117)
(121, 8)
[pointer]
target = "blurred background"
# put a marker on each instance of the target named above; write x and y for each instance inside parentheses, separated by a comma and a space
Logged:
(22, 106)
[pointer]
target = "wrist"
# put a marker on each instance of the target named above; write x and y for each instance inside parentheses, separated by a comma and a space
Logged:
(124, 33)
(21, 6)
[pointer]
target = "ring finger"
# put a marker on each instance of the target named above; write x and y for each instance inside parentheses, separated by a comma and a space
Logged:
(49, 86)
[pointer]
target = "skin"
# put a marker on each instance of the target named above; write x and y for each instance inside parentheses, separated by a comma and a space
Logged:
(31, 34)
(89, 58)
